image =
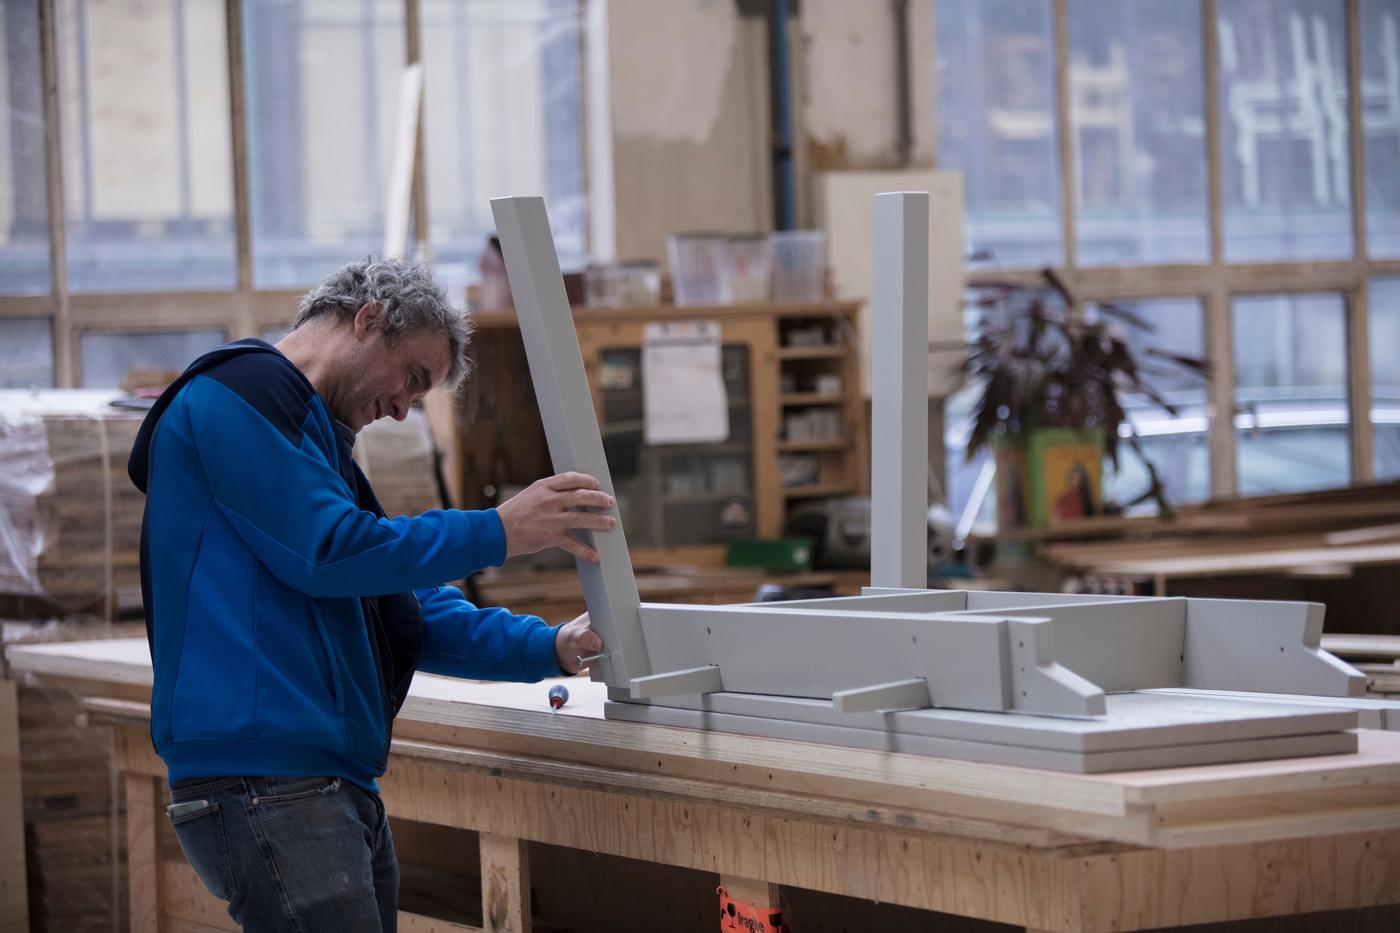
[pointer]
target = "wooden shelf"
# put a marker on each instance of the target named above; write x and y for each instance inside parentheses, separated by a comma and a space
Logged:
(815, 490)
(833, 352)
(781, 309)
(814, 398)
(801, 446)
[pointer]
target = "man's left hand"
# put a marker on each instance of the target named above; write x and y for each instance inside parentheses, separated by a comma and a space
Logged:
(576, 639)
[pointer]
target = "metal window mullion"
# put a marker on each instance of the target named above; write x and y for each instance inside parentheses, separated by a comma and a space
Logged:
(65, 375)
(1224, 478)
(238, 140)
(1361, 430)
(413, 54)
(1064, 134)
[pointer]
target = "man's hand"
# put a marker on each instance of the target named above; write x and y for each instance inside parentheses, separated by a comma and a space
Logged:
(541, 515)
(576, 639)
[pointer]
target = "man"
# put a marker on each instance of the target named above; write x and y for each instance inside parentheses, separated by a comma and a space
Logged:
(286, 614)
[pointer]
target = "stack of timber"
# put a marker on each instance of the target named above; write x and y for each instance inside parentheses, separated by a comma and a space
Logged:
(398, 457)
(1324, 533)
(72, 806)
(70, 519)
(557, 595)
(1376, 656)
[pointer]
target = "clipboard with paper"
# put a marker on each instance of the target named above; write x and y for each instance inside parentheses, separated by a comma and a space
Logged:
(683, 395)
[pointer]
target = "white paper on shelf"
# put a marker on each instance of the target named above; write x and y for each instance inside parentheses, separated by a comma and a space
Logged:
(683, 396)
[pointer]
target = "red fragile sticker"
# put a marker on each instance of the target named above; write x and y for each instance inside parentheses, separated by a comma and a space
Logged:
(738, 917)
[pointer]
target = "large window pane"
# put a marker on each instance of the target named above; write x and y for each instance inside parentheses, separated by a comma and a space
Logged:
(1283, 129)
(1290, 393)
(24, 214)
(147, 176)
(1177, 445)
(107, 357)
(1136, 112)
(1384, 304)
(1380, 123)
(503, 109)
(28, 357)
(323, 87)
(996, 125)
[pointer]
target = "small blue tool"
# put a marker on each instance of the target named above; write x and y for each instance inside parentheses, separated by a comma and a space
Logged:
(558, 696)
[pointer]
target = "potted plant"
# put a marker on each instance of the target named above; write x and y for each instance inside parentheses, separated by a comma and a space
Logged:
(1051, 389)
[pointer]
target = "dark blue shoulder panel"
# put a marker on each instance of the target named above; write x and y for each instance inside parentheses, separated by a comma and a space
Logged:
(271, 385)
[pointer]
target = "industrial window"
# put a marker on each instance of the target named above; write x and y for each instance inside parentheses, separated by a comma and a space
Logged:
(108, 358)
(1227, 168)
(322, 79)
(147, 177)
(1384, 303)
(24, 212)
(242, 148)
(503, 102)
(27, 361)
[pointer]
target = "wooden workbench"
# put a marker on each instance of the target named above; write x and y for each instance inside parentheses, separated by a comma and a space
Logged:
(1036, 849)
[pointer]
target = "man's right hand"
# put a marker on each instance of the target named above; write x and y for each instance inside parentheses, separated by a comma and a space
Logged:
(541, 515)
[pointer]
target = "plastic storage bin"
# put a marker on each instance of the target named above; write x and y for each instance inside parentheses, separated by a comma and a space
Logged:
(622, 285)
(799, 265)
(698, 268)
(749, 269)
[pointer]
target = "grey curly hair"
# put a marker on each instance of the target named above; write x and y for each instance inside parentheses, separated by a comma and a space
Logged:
(412, 300)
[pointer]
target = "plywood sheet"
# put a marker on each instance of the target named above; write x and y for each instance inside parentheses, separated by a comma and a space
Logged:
(1135, 720)
(1327, 743)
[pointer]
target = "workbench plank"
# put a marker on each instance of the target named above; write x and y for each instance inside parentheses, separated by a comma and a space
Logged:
(1068, 889)
(515, 718)
(143, 803)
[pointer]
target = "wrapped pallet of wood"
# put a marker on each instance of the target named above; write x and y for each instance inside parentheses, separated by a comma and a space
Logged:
(70, 520)
(398, 458)
(72, 802)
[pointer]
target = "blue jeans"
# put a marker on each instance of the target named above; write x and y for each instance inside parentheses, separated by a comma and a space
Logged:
(299, 854)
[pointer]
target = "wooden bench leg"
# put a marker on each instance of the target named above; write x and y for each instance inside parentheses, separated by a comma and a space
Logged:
(505, 884)
(143, 800)
(14, 889)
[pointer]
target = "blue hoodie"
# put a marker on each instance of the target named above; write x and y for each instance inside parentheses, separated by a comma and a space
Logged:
(286, 614)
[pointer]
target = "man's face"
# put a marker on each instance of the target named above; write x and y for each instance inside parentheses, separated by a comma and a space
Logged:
(378, 378)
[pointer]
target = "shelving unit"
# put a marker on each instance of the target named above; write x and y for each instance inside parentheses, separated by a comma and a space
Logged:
(682, 502)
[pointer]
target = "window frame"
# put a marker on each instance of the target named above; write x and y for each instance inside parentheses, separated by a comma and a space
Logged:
(1217, 283)
(241, 311)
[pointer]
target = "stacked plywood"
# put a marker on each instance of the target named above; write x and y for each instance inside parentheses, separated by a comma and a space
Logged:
(398, 458)
(1376, 656)
(70, 520)
(70, 809)
(1317, 534)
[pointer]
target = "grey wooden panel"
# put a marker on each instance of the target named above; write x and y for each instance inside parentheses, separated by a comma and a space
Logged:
(979, 600)
(970, 661)
(1118, 645)
(1326, 743)
(814, 654)
(901, 694)
(899, 392)
(570, 424)
(1039, 682)
(1263, 647)
(1134, 720)
(1383, 715)
(696, 680)
(902, 601)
